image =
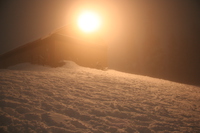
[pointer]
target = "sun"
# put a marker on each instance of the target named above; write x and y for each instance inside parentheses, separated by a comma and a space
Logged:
(89, 21)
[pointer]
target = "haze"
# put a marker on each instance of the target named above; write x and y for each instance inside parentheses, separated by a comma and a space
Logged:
(133, 30)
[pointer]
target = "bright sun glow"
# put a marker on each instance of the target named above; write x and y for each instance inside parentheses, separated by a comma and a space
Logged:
(89, 21)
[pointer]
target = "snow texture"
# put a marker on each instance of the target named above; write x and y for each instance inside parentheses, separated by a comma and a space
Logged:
(74, 99)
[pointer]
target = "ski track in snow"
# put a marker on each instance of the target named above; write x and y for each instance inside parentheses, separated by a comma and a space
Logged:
(74, 99)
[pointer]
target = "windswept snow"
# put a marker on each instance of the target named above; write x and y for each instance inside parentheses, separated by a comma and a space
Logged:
(74, 99)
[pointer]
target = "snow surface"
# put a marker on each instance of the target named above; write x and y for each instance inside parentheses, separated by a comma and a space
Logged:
(74, 99)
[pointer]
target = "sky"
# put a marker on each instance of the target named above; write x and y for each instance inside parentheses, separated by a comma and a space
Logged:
(147, 37)
(23, 21)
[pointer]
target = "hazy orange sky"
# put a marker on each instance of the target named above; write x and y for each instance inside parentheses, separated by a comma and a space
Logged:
(126, 21)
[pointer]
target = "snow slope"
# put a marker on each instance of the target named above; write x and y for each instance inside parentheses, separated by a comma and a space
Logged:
(74, 99)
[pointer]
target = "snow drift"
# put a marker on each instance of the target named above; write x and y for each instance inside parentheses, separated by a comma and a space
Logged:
(74, 99)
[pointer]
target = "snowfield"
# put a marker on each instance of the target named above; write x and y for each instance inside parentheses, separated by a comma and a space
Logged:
(74, 99)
